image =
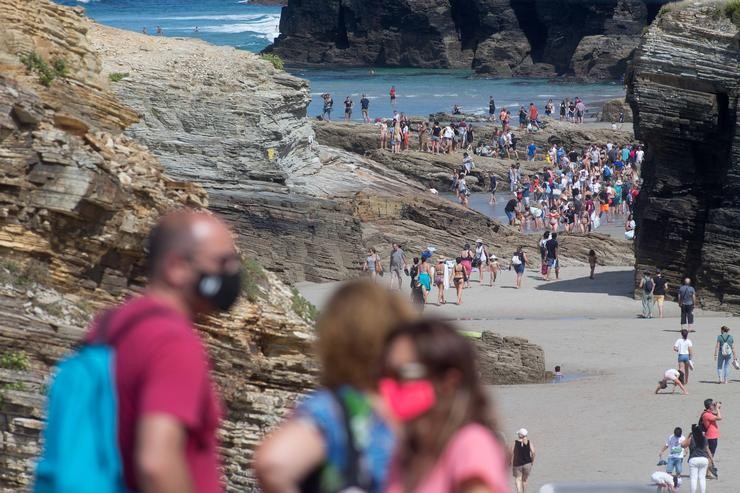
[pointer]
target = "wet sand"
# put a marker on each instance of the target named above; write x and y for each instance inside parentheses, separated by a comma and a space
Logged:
(606, 424)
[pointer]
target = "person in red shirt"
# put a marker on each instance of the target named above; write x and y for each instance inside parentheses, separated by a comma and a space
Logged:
(168, 409)
(712, 413)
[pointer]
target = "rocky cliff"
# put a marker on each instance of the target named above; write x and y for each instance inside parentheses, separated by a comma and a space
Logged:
(684, 92)
(306, 209)
(500, 38)
(77, 198)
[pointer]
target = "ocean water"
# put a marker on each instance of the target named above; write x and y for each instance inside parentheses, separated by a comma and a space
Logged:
(424, 91)
(419, 91)
(221, 22)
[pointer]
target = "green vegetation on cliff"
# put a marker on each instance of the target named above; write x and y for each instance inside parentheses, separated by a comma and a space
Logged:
(47, 71)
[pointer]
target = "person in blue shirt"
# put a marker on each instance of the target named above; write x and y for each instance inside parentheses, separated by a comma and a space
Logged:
(625, 153)
(531, 151)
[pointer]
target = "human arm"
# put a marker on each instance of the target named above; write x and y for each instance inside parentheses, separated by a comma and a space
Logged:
(716, 349)
(677, 383)
(280, 465)
(159, 457)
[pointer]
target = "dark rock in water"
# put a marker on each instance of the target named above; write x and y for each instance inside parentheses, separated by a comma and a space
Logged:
(684, 90)
(498, 38)
(509, 360)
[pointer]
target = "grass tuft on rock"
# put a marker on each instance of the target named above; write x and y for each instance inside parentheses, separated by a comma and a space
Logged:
(46, 71)
(276, 61)
(254, 280)
(732, 11)
(23, 277)
(15, 360)
(302, 307)
(117, 76)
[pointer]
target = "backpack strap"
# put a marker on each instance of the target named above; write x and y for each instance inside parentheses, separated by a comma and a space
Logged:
(352, 454)
(102, 335)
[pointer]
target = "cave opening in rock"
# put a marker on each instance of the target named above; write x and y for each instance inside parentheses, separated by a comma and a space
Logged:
(341, 40)
(534, 29)
(466, 16)
(653, 7)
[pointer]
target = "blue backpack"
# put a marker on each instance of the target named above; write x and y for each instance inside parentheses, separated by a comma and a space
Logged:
(81, 453)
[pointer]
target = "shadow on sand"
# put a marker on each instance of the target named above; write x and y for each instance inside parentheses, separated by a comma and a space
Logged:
(618, 283)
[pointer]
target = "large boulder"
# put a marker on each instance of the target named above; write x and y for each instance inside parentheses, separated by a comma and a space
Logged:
(684, 89)
(509, 360)
(611, 110)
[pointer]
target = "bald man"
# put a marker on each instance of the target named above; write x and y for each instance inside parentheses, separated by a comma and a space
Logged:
(168, 409)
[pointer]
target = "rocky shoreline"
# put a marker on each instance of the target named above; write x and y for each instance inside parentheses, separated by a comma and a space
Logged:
(498, 38)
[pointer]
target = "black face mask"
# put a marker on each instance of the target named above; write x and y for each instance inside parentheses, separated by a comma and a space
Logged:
(220, 289)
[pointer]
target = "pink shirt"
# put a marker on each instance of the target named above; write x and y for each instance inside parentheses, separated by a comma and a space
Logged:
(473, 453)
(710, 425)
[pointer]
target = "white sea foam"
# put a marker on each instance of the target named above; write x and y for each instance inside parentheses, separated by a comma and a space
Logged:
(219, 17)
(268, 26)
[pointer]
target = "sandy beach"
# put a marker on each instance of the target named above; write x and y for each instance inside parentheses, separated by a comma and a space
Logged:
(604, 423)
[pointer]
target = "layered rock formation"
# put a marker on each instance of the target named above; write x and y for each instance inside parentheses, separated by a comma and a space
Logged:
(501, 38)
(307, 210)
(684, 92)
(77, 198)
(509, 360)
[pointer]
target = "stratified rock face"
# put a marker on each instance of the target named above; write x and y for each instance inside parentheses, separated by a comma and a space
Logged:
(509, 360)
(77, 198)
(501, 38)
(684, 93)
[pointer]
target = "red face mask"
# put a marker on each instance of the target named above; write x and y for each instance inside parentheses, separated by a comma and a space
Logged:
(408, 400)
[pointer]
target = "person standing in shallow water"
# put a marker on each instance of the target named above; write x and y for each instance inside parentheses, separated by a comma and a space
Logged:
(392, 94)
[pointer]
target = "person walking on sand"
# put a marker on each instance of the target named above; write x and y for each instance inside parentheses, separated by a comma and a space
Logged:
(493, 268)
(467, 257)
(674, 444)
(724, 353)
(480, 261)
(671, 376)
(700, 459)
(372, 265)
(383, 134)
(425, 276)
(439, 280)
(647, 285)
(397, 265)
(592, 262)
(661, 285)
(683, 346)
(522, 460)
(458, 278)
(519, 262)
(687, 300)
(553, 260)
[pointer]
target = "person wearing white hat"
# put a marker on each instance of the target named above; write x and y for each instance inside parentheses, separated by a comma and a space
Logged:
(480, 260)
(522, 460)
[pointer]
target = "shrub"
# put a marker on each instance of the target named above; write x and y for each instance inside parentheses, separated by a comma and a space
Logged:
(732, 11)
(15, 360)
(17, 386)
(117, 76)
(303, 308)
(276, 61)
(254, 280)
(46, 72)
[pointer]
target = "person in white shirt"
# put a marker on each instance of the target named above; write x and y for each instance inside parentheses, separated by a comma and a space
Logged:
(663, 481)
(683, 347)
(671, 376)
(674, 444)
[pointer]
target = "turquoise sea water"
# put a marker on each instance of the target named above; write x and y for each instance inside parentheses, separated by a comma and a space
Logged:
(419, 91)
